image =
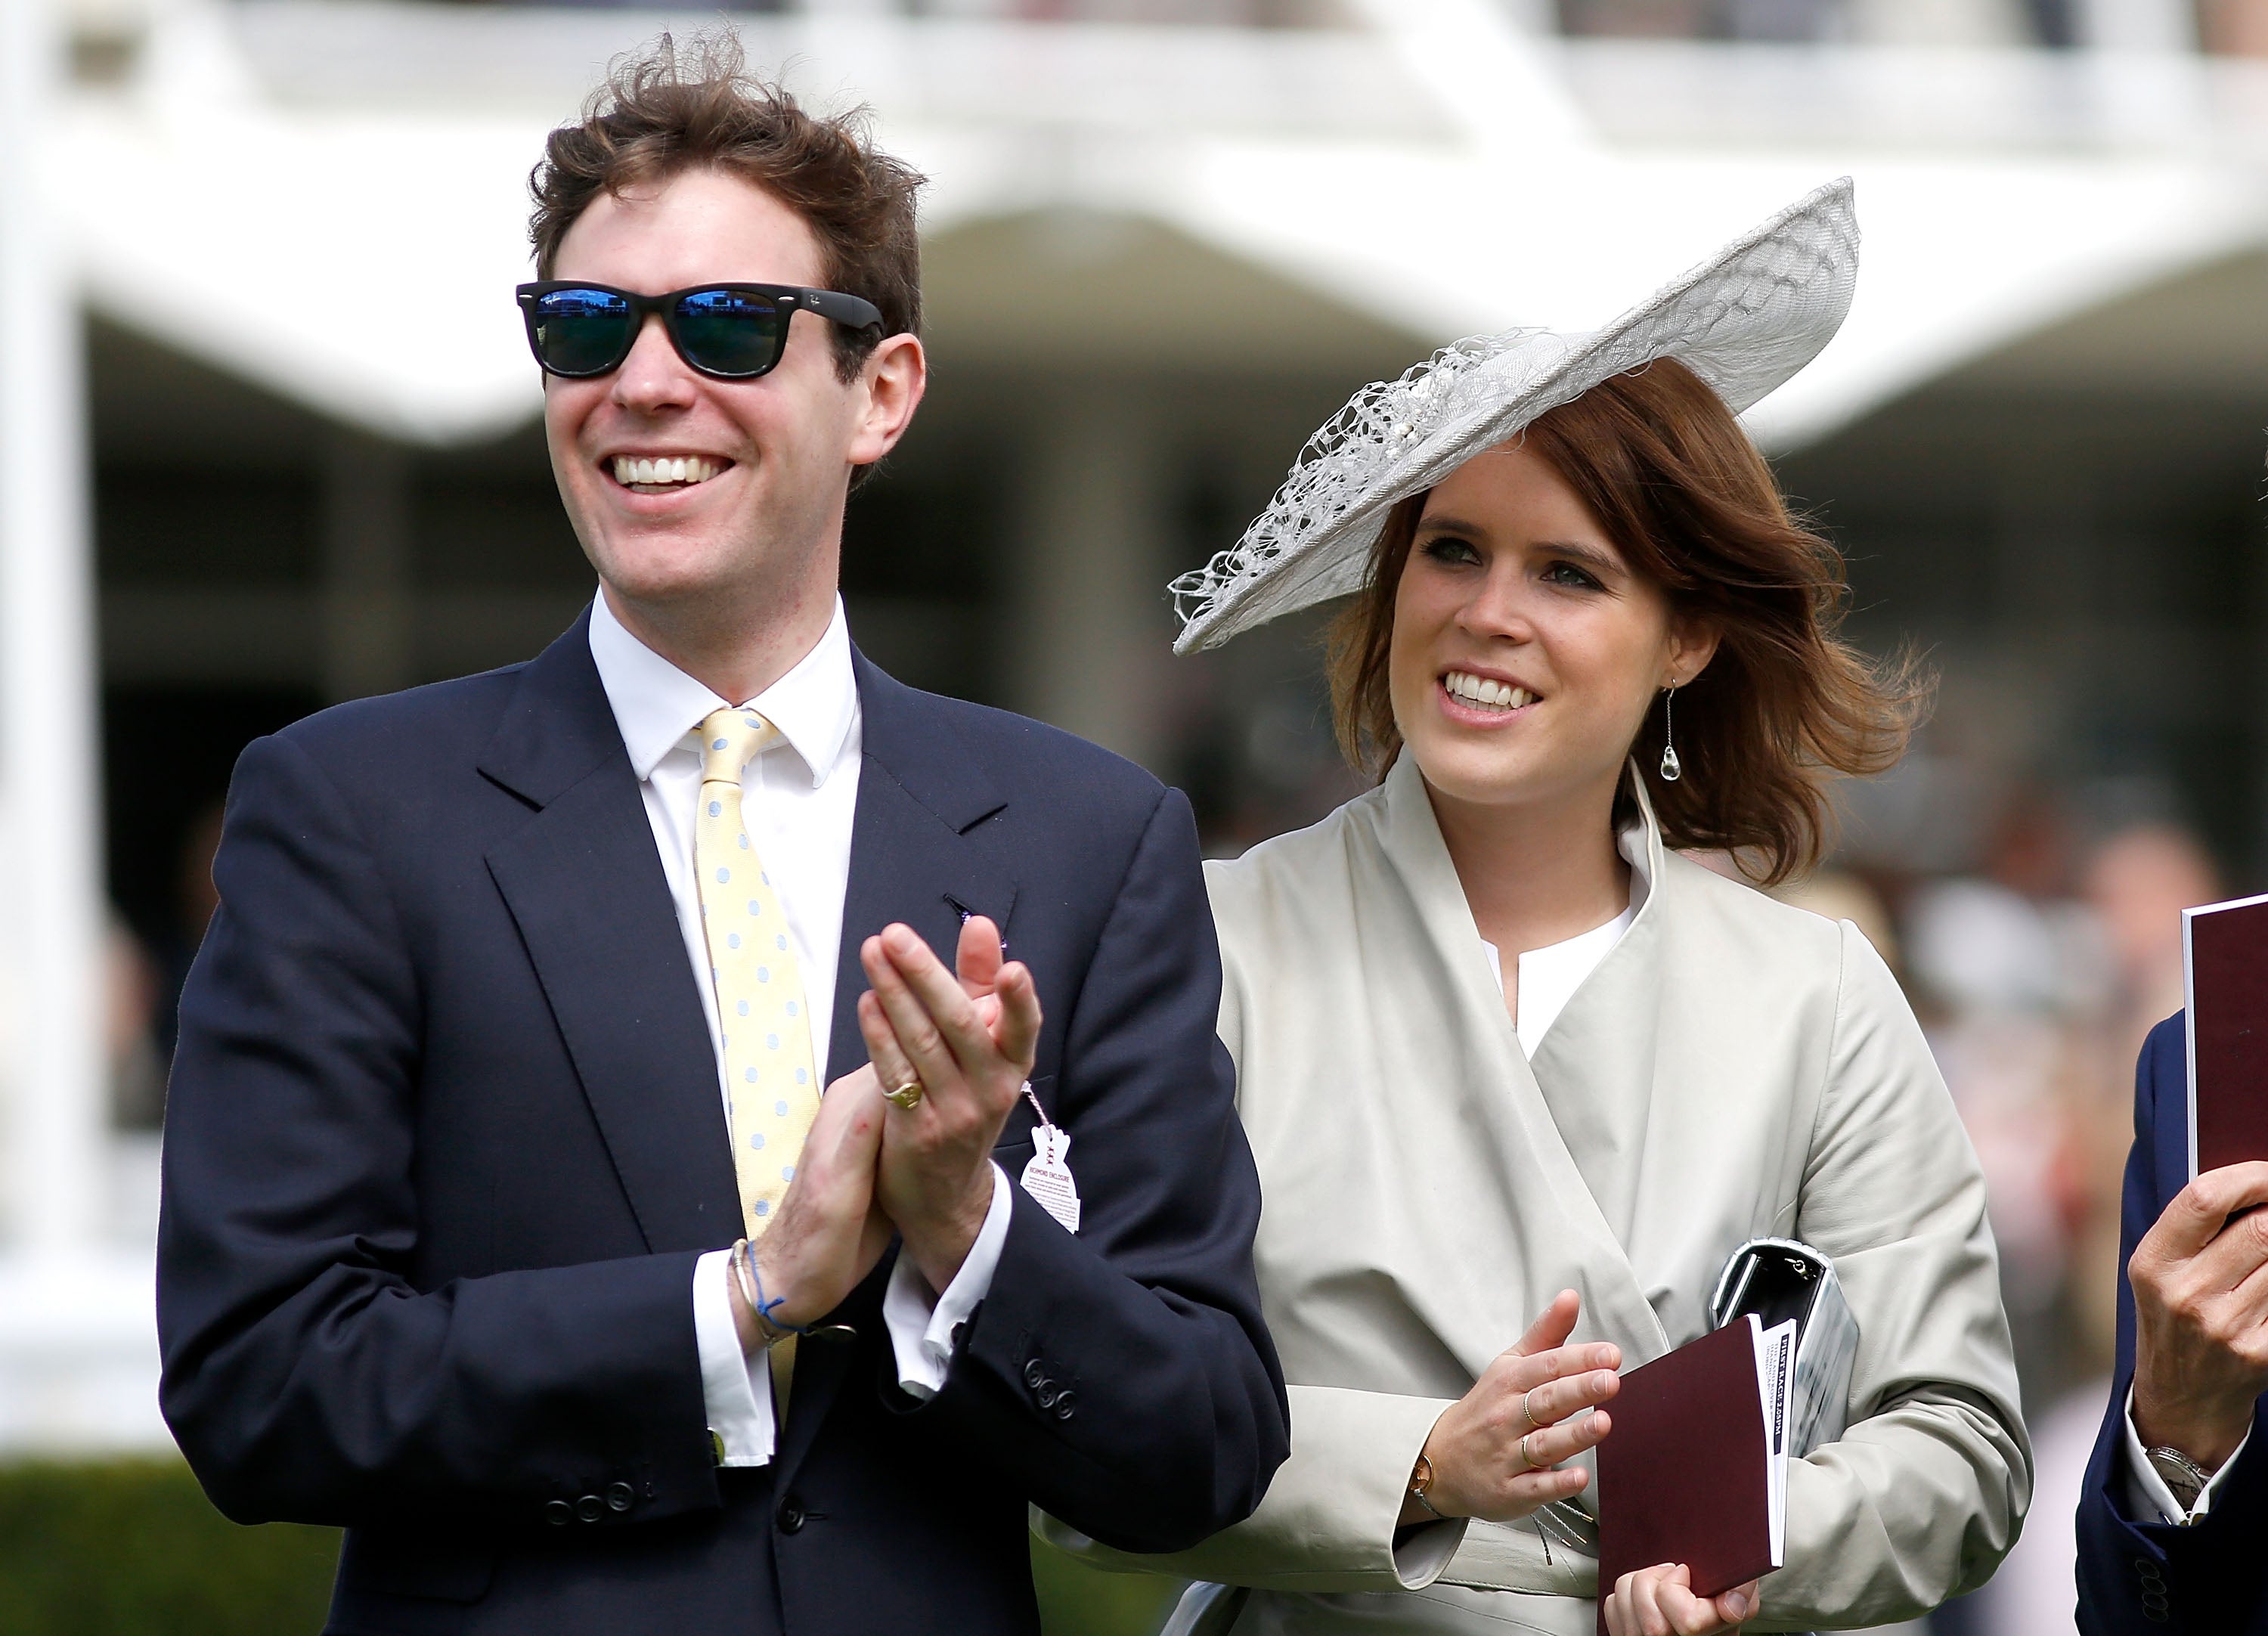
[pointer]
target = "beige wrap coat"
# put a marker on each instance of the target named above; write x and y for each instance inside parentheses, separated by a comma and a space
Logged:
(1734, 1067)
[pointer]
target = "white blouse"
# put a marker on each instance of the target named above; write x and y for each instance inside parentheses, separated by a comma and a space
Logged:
(1549, 977)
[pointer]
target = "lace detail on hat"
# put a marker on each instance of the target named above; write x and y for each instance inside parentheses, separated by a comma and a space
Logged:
(1744, 322)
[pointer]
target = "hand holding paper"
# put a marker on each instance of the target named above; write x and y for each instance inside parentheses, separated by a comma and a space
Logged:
(1659, 1601)
(1693, 1485)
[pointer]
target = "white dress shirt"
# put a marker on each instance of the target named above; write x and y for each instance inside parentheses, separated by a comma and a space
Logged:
(798, 796)
(2147, 1492)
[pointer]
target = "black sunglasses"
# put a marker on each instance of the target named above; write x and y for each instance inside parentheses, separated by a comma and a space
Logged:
(732, 332)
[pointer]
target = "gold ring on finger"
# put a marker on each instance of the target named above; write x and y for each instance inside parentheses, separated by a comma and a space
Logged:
(908, 1095)
(1528, 1414)
(1528, 1458)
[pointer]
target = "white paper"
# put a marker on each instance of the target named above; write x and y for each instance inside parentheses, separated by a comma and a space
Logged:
(1775, 1377)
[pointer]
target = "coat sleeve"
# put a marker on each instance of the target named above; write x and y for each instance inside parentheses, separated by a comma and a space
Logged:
(1122, 1377)
(1329, 1521)
(304, 1376)
(1925, 1492)
(2136, 1576)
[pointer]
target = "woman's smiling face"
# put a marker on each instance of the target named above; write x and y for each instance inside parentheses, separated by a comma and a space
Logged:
(1526, 652)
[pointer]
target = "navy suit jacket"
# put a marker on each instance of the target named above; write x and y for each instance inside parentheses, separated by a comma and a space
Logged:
(445, 1139)
(2145, 1576)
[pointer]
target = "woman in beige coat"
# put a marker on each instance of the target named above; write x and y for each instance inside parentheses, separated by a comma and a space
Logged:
(1504, 1052)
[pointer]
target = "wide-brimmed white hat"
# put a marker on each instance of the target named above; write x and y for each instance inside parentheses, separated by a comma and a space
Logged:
(1744, 321)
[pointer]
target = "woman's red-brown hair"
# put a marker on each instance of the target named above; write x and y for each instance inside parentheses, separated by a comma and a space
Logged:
(1681, 490)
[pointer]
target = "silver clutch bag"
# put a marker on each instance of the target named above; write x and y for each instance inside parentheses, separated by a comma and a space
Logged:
(1780, 1278)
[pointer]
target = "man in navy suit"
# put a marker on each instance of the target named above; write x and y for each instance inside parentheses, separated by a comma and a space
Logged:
(478, 1106)
(2173, 1523)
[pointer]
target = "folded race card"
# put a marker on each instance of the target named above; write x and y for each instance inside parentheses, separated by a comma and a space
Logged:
(1695, 1469)
(2224, 968)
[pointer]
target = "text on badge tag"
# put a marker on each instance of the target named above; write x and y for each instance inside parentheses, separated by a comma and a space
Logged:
(1048, 1177)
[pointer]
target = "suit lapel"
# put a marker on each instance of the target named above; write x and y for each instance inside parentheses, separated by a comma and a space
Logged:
(920, 793)
(585, 885)
(912, 860)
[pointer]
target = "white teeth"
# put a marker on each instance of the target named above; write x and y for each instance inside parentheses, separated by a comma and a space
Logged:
(675, 468)
(1485, 692)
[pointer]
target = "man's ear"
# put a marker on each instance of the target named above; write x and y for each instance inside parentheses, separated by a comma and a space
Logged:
(1692, 644)
(894, 376)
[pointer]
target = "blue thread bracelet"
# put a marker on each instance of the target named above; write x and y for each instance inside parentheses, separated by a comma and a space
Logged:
(743, 1264)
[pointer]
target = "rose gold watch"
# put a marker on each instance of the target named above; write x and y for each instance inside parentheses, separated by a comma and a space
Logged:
(1421, 1482)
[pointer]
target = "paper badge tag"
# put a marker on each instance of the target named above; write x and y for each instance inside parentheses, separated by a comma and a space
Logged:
(1048, 1177)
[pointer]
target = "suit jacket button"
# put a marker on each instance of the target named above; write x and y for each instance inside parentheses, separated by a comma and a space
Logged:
(1064, 1401)
(792, 1516)
(559, 1514)
(590, 1507)
(1047, 1394)
(1035, 1375)
(619, 1496)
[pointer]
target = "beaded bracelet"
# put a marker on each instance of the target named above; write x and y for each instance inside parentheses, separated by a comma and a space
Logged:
(751, 1279)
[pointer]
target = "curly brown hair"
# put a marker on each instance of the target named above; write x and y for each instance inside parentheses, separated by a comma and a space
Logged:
(1683, 494)
(664, 111)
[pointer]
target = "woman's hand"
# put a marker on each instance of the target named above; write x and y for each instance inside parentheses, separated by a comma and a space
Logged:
(1494, 1450)
(1659, 1601)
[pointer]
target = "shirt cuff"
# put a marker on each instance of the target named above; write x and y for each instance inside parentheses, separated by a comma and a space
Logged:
(2146, 1493)
(736, 1390)
(922, 1327)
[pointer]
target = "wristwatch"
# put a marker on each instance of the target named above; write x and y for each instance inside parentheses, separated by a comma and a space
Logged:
(1421, 1481)
(2185, 1477)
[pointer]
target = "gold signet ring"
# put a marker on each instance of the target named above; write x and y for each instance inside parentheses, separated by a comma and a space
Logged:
(908, 1095)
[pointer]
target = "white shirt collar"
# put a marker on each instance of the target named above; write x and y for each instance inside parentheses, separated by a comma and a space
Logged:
(657, 705)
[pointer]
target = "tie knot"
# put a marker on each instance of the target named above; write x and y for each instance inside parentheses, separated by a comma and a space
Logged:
(728, 739)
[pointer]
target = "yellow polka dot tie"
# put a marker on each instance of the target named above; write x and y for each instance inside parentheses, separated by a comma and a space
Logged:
(773, 1086)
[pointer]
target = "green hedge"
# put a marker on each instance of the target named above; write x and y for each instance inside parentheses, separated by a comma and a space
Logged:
(132, 1548)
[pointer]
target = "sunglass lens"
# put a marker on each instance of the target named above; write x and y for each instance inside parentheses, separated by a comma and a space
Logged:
(730, 332)
(581, 332)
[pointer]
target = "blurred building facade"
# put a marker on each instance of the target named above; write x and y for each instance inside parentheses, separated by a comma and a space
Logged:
(1167, 237)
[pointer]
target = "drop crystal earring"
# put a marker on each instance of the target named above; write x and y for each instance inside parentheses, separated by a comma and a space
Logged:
(1672, 769)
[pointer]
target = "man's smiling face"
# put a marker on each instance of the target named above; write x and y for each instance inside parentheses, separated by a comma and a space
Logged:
(766, 463)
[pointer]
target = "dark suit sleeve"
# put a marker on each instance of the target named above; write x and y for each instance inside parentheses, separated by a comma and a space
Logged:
(1123, 1377)
(2144, 1576)
(305, 1374)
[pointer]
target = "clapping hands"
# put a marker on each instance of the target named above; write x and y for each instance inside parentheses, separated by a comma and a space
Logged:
(967, 1038)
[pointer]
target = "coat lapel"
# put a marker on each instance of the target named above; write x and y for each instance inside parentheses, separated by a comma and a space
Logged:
(921, 791)
(585, 885)
(1595, 1070)
(1542, 1183)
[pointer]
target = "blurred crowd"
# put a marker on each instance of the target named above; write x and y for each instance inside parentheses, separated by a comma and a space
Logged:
(2037, 974)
